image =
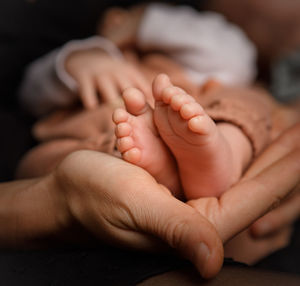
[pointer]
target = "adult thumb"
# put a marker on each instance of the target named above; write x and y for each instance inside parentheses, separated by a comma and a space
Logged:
(186, 230)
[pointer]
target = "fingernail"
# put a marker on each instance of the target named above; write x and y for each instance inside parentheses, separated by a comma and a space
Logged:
(203, 255)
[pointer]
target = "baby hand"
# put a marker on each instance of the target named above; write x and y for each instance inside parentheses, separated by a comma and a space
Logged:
(102, 77)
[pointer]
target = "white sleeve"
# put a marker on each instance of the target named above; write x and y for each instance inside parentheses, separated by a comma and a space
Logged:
(204, 43)
(47, 85)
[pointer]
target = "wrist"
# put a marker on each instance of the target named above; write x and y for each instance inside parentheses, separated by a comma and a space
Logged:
(33, 213)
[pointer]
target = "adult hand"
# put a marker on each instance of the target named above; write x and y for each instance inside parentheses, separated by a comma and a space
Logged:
(289, 211)
(245, 248)
(274, 174)
(272, 231)
(97, 72)
(122, 203)
(281, 217)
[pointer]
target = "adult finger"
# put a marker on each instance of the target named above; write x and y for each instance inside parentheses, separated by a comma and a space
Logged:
(245, 248)
(250, 199)
(108, 89)
(282, 146)
(286, 214)
(154, 211)
(184, 229)
(87, 92)
(134, 209)
(255, 197)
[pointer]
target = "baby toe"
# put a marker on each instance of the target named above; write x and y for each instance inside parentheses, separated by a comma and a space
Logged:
(125, 143)
(133, 155)
(190, 110)
(120, 115)
(169, 92)
(123, 129)
(202, 124)
(178, 100)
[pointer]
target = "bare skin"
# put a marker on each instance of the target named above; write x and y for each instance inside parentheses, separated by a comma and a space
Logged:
(99, 74)
(203, 150)
(140, 143)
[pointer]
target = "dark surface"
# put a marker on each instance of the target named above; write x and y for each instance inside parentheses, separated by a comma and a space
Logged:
(107, 265)
(101, 266)
(286, 259)
(230, 275)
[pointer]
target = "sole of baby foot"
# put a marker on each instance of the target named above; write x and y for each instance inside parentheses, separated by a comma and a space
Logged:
(202, 153)
(139, 142)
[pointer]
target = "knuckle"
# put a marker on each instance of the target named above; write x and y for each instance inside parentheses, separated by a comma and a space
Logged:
(175, 232)
(291, 137)
(275, 202)
(177, 229)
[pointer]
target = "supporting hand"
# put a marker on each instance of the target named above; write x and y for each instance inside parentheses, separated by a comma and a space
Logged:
(122, 203)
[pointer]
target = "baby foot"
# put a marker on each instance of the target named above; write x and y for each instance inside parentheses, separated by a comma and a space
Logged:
(139, 142)
(203, 155)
